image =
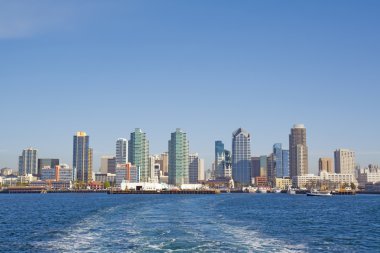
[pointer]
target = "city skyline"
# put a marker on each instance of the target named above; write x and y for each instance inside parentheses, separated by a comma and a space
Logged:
(253, 65)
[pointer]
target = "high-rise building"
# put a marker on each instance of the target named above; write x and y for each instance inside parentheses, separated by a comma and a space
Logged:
(138, 153)
(285, 163)
(82, 158)
(128, 172)
(45, 162)
(223, 161)
(298, 151)
(255, 170)
(241, 156)
(108, 164)
(344, 161)
(271, 170)
(178, 158)
(163, 161)
(263, 166)
(27, 162)
(152, 169)
(201, 170)
(121, 151)
(326, 164)
(194, 168)
(219, 159)
(277, 158)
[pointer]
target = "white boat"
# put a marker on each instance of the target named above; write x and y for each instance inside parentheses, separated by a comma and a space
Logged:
(291, 191)
(277, 191)
(319, 194)
(262, 190)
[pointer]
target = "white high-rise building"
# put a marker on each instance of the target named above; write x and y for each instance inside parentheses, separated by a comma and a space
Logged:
(27, 162)
(121, 151)
(201, 170)
(344, 161)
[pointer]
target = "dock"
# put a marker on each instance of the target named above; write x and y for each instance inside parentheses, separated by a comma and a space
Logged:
(165, 192)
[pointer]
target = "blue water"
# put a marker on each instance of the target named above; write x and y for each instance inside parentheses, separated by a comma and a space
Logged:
(188, 223)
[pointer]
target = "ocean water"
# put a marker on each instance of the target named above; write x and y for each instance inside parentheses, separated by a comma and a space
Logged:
(188, 223)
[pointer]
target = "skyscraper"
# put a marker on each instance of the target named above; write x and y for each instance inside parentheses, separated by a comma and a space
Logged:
(138, 153)
(27, 162)
(193, 168)
(222, 161)
(277, 158)
(326, 164)
(298, 151)
(121, 151)
(178, 158)
(241, 156)
(285, 163)
(344, 161)
(82, 157)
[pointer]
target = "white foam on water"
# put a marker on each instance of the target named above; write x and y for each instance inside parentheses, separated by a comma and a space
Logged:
(256, 242)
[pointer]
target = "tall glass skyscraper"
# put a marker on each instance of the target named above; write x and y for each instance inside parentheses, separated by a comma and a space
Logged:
(277, 157)
(178, 158)
(194, 163)
(27, 162)
(241, 156)
(219, 159)
(138, 153)
(82, 157)
(121, 151)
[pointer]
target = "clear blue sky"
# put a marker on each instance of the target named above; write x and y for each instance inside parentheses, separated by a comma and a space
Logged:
(209, 67)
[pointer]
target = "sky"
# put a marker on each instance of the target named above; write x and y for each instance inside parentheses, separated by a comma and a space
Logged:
(206, 66)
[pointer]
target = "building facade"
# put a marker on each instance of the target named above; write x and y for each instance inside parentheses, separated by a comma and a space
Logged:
(298, 151)
(46, 162)
(326, 164)
(27, 162)
(82, 157)
(344, 161)
(241, 156)
(138, 153)
(277, 158)
(121, 151)
(194, 163)
(178, 158)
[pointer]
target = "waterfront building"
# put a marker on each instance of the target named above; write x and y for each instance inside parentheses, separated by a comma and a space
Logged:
(127, 172)
(298, 151)
(263, 166)
(46, 162)
(108, 164)
(261, 181)
(27, 162)
(304, 180)
(60, 172)
(121, 151)
(82, 157)
(105, 177)
(368, 175)
(326, 164)
(344, 161)
(277, 158)
(194, 163)
(138, 153)
(178, 158)
(285, 163)
(337, 178)
(283, 183)
(241, 157)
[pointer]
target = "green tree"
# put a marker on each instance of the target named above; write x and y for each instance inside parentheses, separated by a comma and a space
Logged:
(353, 186)
(107, 185)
